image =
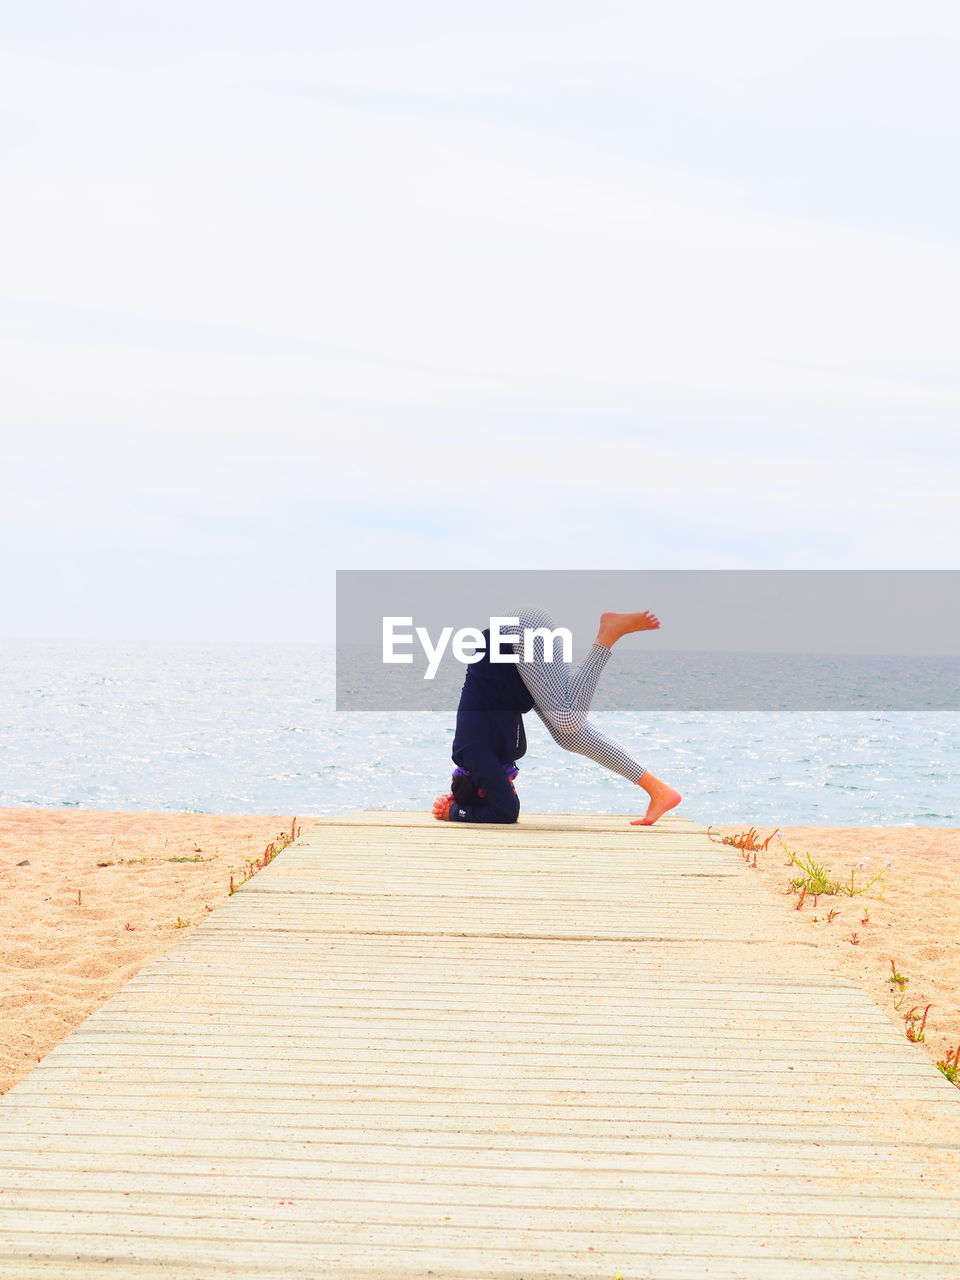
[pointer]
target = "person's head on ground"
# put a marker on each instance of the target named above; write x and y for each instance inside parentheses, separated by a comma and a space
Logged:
(466, 791)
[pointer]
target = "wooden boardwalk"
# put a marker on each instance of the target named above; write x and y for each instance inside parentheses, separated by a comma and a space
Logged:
(562, 1050)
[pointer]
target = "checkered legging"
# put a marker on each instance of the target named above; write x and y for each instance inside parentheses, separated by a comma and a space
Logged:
(562, 696)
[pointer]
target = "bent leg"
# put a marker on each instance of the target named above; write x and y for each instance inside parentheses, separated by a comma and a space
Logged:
(562, 698)
(589, 741)
(561, 695)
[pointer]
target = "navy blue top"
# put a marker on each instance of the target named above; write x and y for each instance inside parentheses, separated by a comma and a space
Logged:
(489, 735)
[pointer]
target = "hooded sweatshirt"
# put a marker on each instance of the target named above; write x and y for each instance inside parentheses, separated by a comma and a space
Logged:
(489, 735)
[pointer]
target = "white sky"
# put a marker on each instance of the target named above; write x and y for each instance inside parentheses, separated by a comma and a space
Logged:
(292, 287)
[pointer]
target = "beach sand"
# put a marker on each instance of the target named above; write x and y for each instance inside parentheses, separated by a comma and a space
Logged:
(910, 917)
(73, 880)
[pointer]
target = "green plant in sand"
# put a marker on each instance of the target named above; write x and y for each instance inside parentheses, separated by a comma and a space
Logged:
(746, 842)
(915, 1033)
(273, 848)
(816, 877)
(950, 1066)
(896, 977)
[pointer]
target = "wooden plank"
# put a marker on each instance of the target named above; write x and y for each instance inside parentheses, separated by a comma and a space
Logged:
(278, 1263)
(569, 1048)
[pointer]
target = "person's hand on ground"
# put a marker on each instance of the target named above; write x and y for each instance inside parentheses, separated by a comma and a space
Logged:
(442, 806)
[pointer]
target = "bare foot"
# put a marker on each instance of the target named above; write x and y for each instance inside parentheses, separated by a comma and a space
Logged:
(661, 799)
(615, 625)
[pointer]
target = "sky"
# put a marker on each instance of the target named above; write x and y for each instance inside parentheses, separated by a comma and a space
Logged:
(293, 287)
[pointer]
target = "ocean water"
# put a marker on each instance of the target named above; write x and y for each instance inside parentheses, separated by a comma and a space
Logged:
(253, 729)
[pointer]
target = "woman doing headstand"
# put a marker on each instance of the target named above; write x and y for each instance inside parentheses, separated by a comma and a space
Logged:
(489, 735)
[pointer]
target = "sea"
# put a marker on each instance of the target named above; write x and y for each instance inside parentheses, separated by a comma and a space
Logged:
(242, 728)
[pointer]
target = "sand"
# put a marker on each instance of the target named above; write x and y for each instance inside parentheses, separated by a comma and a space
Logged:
(910, 917)
(90, 897)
